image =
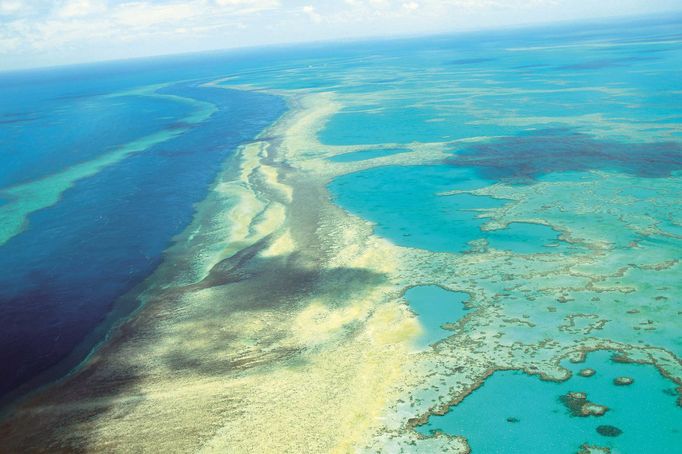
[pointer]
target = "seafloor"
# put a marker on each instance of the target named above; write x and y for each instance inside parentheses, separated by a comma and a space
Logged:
(540, 184)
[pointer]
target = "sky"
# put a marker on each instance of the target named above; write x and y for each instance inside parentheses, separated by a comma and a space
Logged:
(36, 33)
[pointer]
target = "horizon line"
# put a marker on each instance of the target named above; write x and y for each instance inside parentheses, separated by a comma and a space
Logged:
(662, 16)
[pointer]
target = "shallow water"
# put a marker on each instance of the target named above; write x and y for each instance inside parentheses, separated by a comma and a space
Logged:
(517, 413)
(526, 238)
(404, 203)
(363, 155)
(435, 306)
(407, 205)
(572, 152)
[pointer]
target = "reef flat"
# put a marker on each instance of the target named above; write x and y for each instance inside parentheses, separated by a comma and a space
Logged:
(530, 197)
(286, 332)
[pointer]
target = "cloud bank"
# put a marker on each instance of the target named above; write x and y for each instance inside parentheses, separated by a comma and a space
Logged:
(48, 32)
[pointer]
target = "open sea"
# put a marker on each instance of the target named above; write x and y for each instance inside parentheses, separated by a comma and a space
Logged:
(100, 168)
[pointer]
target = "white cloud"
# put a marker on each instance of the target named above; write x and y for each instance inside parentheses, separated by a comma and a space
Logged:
(248, 6)
(8, 45)
(144, 14)
(80, 8)
(260, 4)
(312, 13)
(492, 5)
(37, 31)
(81, 24)
(9, 7)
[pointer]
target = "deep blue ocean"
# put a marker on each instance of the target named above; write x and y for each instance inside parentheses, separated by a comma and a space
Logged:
(62, 273)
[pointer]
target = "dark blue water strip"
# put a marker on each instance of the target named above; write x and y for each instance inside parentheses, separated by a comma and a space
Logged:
(61, 276)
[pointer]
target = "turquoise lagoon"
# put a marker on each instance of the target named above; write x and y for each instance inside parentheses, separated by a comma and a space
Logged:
(407, 206)
(513, 412)
(434, 307)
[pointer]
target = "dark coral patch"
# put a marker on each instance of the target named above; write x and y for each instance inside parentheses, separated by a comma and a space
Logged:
(525, 158)
(577, 405)
(574, 402)
(609, 431)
